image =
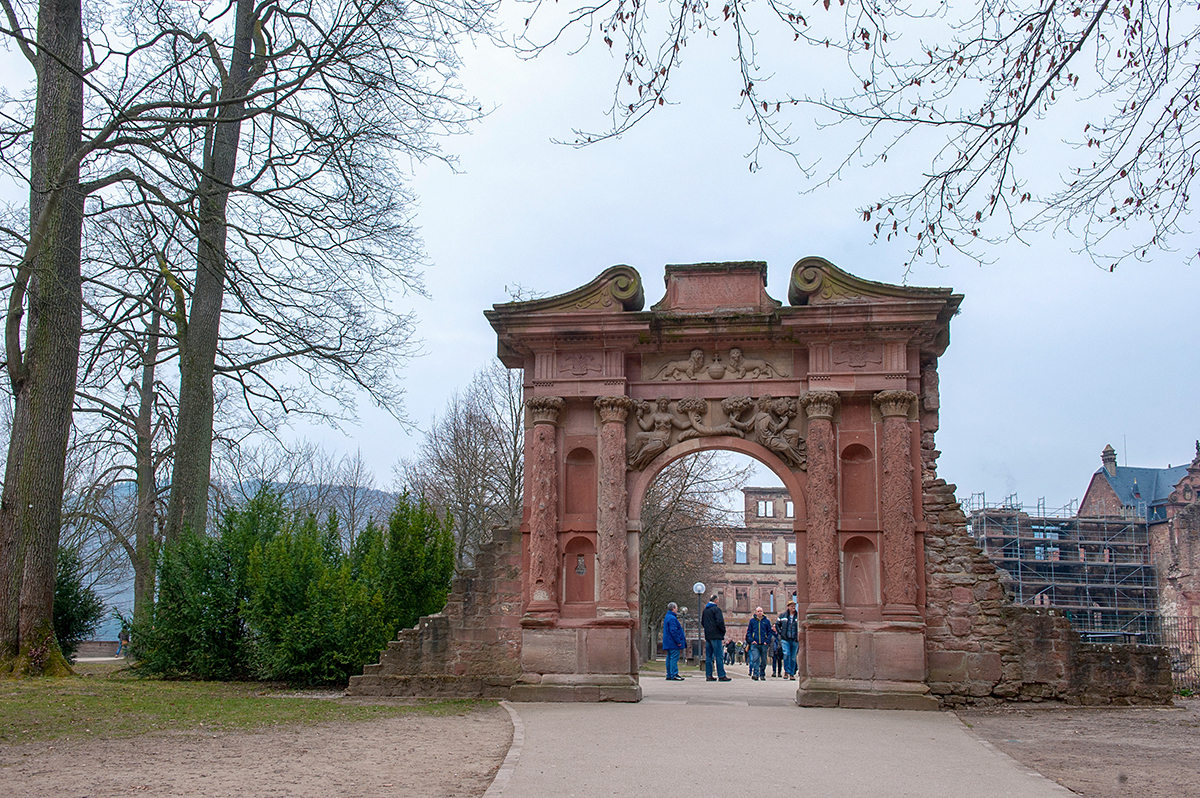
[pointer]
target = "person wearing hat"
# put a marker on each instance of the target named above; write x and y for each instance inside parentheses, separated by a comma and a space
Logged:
(788, 629)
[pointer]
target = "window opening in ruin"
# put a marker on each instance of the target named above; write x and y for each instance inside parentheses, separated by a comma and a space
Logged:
(791, 555)
(740, 556)
(718, 551)
(768, 553)
(790, 510)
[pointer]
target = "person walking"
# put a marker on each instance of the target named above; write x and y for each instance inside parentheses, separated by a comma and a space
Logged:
(713, 621)
(673, 642)
(788, 630)
(758, 637)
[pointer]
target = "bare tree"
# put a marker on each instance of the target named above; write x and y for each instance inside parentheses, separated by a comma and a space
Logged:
(988, 88)
(262, 138)
(471, 462)
(685, 503)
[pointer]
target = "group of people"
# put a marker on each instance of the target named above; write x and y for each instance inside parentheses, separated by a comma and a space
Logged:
(781, 639)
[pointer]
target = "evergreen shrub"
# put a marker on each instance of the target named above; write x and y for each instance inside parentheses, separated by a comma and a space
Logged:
(275, 597)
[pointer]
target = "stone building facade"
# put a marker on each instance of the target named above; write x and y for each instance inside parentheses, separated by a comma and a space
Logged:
(757, 560)
(1167, 500)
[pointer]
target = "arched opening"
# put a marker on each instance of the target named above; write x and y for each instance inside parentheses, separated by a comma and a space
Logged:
(719, 516)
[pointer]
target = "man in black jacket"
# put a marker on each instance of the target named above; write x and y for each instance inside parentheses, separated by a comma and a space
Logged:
(789, 634)
(713, 621)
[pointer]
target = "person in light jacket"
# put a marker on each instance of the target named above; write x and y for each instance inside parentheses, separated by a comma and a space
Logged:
(673, 642)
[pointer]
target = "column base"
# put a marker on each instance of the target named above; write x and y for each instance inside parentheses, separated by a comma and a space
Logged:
(859, 694)
(575, 687)
(823, 611)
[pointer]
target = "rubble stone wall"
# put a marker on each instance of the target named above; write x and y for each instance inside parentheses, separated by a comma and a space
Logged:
(472, 648)
(981, 649)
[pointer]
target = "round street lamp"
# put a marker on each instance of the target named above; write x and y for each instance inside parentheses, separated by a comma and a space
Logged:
(698, 589)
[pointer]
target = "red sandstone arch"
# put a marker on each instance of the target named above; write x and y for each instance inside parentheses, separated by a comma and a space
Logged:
(832, 394)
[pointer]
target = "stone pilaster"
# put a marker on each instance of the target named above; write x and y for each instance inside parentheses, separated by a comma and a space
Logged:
(824, 583)
(899, 555)
(612, 504)
(543, 511)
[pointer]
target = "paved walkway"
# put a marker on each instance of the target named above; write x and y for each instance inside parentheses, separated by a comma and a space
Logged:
(747, 738)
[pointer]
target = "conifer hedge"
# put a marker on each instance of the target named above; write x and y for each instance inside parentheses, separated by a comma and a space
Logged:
(275, 597)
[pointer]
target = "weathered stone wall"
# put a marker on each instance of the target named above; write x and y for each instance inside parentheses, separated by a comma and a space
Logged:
(981, 649)
(472, 648)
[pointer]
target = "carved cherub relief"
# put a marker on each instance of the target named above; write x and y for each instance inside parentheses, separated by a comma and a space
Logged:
(764, 421)
(656, 422)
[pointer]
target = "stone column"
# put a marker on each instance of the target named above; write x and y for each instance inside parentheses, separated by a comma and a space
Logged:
(824, 591)
(611, 510)
(543, 511)
(899, 555)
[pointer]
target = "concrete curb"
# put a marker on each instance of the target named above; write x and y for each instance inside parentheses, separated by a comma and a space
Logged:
(504, 774)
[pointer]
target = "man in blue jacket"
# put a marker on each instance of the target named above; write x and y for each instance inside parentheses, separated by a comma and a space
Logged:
(673, 642)
(758, 637)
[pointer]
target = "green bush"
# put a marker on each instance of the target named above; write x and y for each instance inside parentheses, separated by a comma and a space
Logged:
(77, 608)
(276, 598)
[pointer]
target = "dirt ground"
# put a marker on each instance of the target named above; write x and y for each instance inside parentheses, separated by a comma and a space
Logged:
(1098, 753)
(429, 756)
(1150, 752)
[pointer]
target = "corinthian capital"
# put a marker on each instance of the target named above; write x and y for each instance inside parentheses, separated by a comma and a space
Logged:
(894, 403)
(613, 408)
(820, 404)
(544, 409)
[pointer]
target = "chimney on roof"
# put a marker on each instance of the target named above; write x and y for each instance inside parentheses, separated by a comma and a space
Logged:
(1109, 458)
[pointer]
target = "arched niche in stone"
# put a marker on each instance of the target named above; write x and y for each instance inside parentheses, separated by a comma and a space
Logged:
(580, 489)
(860, 578)
(579, 574)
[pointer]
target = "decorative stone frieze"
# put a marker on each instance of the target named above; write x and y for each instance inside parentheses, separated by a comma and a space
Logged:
(764, 421)
(735, 366)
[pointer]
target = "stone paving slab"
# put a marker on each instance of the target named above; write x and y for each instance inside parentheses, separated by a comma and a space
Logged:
(749, 738)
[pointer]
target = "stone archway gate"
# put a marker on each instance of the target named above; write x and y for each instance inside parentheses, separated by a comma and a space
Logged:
(832, 392)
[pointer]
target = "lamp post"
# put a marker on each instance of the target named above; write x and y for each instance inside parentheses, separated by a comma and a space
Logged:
(698, 589)
(683, 622)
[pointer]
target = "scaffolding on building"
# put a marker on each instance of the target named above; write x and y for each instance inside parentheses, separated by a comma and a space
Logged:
(1097, 571)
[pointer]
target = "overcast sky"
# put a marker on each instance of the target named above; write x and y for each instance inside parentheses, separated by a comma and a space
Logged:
(1050, 359)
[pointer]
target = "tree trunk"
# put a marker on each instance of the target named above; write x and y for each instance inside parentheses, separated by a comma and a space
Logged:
(147, 488)
(43, 376)
(188, 505)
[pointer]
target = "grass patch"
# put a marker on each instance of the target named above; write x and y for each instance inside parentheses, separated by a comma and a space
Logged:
(105, 701)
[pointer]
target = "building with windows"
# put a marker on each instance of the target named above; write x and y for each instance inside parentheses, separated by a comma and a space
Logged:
(759, 559)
